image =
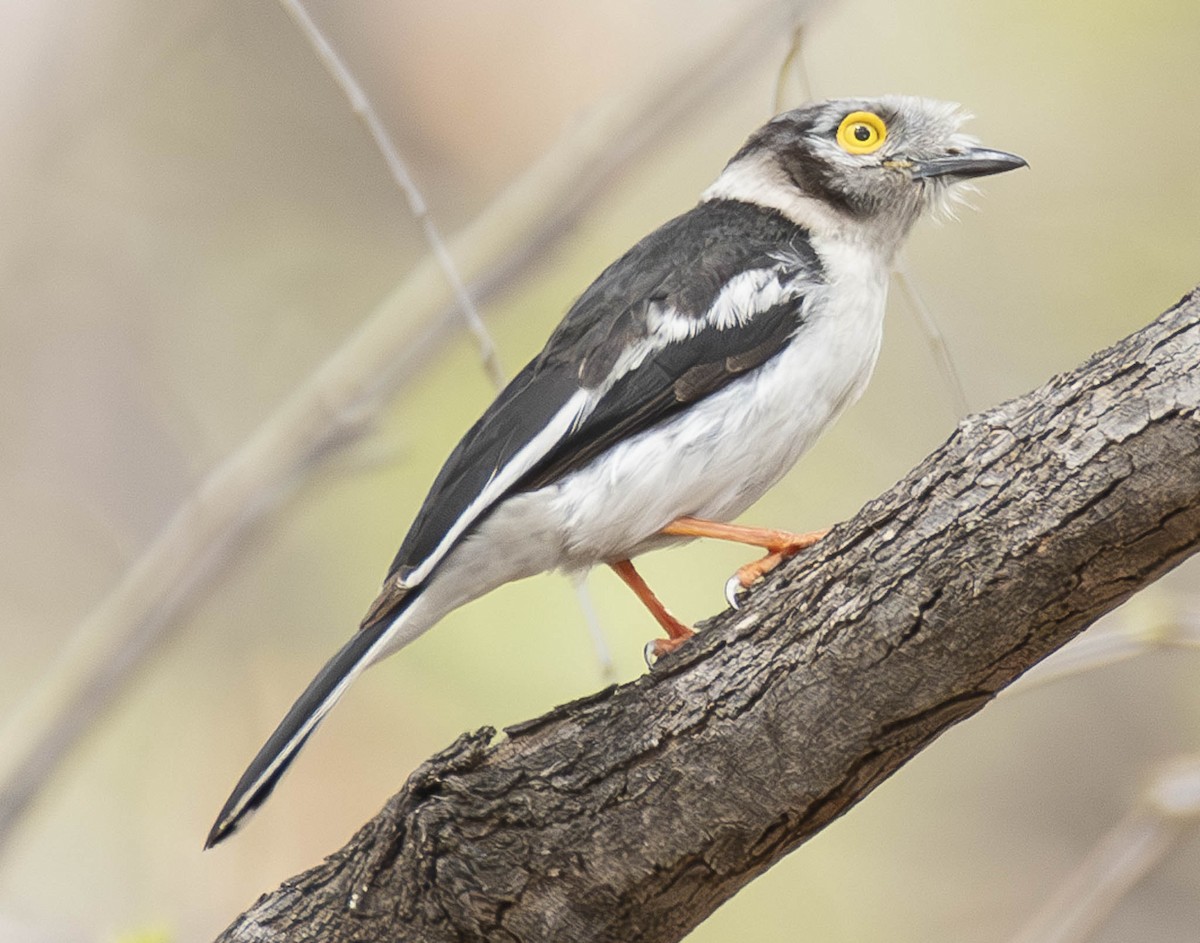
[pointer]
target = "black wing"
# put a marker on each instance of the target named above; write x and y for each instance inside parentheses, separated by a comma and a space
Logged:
(579, 383)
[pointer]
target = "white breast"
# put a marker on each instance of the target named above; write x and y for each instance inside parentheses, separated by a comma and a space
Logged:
(720, 455)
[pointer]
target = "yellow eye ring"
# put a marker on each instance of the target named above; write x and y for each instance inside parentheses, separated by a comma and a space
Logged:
(861, 132)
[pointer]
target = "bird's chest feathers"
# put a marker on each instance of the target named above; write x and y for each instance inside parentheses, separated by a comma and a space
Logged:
(840, 340)
(826, 365)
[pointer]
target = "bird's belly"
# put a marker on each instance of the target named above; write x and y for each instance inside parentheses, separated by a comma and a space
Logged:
(720, 455)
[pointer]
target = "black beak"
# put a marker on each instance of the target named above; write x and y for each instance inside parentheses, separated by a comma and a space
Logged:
(970, 162)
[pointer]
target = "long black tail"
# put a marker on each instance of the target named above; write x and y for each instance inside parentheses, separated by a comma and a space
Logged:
(281, 748)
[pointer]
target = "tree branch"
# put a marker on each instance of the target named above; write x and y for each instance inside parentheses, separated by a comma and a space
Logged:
(633, 814)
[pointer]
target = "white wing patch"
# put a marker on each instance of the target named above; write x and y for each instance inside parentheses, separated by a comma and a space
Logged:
(573, 411)
(742, 297)
(746, 294)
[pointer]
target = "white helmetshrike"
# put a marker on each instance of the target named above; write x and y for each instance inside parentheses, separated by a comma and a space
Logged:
(688, 377)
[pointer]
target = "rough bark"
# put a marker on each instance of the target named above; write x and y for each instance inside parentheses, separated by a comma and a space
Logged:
(632, 814)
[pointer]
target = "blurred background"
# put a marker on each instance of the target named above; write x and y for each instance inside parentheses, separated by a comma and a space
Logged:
(194, 221)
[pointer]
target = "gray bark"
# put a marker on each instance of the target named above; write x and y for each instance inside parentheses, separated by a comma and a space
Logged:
(632, 814)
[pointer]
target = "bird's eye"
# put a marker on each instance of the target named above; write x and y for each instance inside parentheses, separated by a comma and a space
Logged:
(861, 132)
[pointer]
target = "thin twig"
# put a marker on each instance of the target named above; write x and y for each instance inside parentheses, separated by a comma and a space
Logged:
(793, 62)
(934, 337)
(1168, 809)
(608, 670)
(1103, 648)
(335, 404)
(361, 105)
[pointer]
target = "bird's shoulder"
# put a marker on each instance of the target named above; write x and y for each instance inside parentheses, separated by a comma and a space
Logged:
(682, 268)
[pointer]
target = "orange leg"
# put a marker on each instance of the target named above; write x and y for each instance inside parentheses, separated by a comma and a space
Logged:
(781, 544)
(677, 632)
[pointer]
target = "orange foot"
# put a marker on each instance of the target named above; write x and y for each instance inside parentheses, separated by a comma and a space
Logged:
(780, 545)
(677, 632)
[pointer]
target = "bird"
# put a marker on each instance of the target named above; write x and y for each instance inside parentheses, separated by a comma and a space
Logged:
(681, 385)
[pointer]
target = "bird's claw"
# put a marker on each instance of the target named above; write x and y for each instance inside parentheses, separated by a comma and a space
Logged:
(734, 589)
(658, 647)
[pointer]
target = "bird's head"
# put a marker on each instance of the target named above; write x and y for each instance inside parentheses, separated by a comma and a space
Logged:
(862, 166)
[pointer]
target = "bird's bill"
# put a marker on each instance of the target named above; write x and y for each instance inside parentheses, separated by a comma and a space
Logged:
(971, 162)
